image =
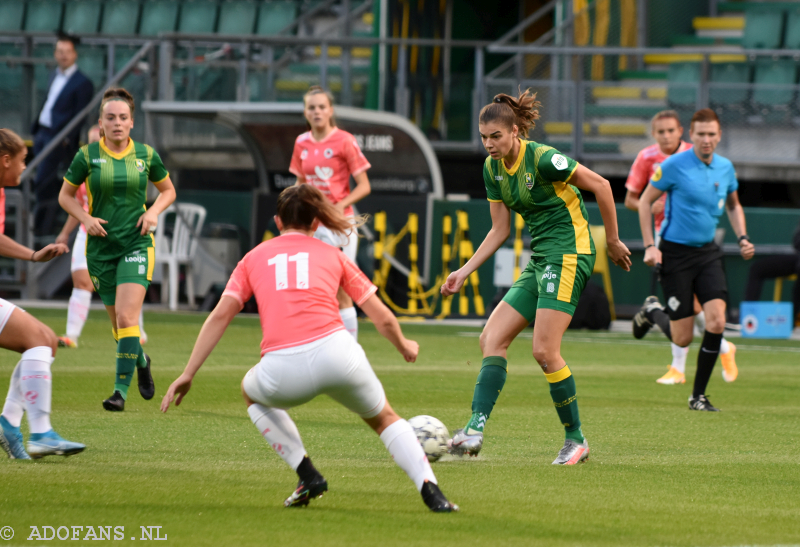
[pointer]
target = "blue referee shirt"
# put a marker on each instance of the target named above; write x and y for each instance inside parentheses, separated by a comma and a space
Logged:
(696, 196)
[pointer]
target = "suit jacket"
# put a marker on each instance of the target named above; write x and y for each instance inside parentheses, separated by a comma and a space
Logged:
(77, 93)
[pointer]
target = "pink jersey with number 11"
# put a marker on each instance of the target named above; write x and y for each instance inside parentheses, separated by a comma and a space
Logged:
(295, 279)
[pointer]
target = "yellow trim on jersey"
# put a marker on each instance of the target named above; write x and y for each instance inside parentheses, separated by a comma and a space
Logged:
(558, 375)
(89, 197)
(495, 200)
(114, 154)
(162, 180)
(151, 261)
(569, 265)
(129, 332)
(583, 240)
(572, 172)
(71, 183)
(513, 170)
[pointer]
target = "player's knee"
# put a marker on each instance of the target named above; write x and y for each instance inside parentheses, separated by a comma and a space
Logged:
(46, 337)
(491, 343)
(543, 356)
(681, 339)
(715, 323)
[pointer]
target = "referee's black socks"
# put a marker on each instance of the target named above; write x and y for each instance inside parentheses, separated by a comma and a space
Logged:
(706, 358)
(660, 318)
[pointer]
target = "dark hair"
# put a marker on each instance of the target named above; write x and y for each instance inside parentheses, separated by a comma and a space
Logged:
(522, 111)
(704, 115)
(11, 144)
(117, 94)
(300, 204)
(316, 90)
(74, 40)
(664, 115)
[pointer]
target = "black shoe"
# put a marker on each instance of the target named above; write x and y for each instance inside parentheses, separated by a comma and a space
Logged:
(701, 402)
(147, 387)
(435, 500)
(305, 492)
(115, 403)
(641, 323)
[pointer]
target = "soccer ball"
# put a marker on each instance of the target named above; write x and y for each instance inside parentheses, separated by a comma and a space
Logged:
(432, 435)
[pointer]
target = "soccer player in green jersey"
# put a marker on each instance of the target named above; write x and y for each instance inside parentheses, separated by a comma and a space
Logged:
(543, 186)
(120, 246)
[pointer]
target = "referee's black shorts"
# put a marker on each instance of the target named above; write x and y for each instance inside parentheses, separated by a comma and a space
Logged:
(688, 271)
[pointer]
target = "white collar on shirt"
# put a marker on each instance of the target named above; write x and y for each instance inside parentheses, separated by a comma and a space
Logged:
(68, 72)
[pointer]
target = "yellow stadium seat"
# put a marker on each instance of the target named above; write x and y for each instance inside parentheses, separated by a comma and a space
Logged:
(776, 297)
(601, 265)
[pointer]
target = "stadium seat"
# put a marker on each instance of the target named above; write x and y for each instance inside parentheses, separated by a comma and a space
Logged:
(82, 17)
(178, 250)
(781, 72)
(729, 73)
(776, 297)
(237, 17)
(11, 15)
(763, 29)
(158, 16)
(10, 76)
(198, 16)
(92, 62)
(275, 15)
(120, 17)
(792, 38)
(44, 16)
(683, 73)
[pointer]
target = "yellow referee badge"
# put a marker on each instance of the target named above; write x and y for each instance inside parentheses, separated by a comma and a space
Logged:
(140, 165)
(657, 175)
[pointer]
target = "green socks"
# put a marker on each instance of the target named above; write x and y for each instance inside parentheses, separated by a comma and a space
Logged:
(565, 399)
(129, 354)
(490, 383)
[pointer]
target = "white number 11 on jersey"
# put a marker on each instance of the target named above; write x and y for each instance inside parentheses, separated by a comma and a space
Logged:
(282, 270)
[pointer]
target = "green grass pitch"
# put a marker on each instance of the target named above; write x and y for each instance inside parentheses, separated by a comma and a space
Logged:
(658, 474)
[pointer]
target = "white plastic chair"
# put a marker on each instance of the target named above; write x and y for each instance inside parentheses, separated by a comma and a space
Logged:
(172, 252)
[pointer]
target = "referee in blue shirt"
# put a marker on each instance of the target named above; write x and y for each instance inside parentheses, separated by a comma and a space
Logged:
(699, 185)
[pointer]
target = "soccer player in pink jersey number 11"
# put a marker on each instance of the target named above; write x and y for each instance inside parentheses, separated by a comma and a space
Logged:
(305, 351)
(326, 156)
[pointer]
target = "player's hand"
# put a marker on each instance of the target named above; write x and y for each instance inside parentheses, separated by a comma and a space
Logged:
(181, 387)
(148, 221)
(747, 249)
(657, 207)
(410, 350)
(94, 227)
(619, 254)
(50, 252)
(62, 238)
(453, 284)
(340, 207)
(652, 256)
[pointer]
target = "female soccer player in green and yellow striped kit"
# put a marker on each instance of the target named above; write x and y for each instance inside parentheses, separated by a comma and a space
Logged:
(543, 186)
(120, 246)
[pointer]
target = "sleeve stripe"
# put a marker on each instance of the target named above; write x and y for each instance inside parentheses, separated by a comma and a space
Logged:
(361, 170)
(572, 172)
(372, 290)
(162, 180)
(71, 183)
(494, 200)
(233, 295)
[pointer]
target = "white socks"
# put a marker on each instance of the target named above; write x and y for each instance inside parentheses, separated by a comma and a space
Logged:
(402, 444)
(724, 347)
(77, 312)
(36, 387)
(350, 320)
(679, 358)
(281, 434)
(14, 407)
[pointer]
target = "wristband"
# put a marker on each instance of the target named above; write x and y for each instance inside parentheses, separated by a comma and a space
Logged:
(743, 238)
(648, 246)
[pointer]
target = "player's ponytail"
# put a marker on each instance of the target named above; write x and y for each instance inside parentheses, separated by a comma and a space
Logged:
(300, 204)
(505, 109)
(117, 94)
(10, 143)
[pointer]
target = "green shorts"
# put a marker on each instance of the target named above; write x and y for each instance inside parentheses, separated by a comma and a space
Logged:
(553, 282)
(134, 267)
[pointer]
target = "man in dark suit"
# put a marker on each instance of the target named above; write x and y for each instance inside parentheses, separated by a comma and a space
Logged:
(68, 92)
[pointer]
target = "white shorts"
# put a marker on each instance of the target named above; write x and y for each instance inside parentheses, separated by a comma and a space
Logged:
(6, 309)
(335, 366)
(348, 243)
(79, 251)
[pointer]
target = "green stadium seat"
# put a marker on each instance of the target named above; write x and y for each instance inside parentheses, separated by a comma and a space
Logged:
(683, 73)
(44, 16)
(198, 16)
(82, 17)
(158, 16)
(275, 15)
(780, 72)
(120, 17)
(237, 17)
(10, 76)
(792, 38)
(11, 15)
(763, 29)
(92, 62)
(728, 73)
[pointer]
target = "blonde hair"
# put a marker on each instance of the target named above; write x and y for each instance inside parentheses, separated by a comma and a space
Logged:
(317, 90)
(522, 111)
(664, 115)
(11, 144)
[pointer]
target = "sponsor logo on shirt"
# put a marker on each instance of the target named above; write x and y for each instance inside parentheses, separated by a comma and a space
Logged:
(657, 175)
(498, 178)
(140, 165)
(323, 173)
(559, 162)
(98, 160)
(528, 181)
(137, 258)
(549, 275)
(328, 153)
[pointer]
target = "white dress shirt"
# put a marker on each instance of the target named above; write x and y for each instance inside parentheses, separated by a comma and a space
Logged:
(60, 80)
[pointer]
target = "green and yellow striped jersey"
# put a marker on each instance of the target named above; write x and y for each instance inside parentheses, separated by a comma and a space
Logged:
(537, 187)
(116, 185)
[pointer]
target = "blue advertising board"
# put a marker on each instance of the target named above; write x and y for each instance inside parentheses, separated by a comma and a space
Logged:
(766, 319)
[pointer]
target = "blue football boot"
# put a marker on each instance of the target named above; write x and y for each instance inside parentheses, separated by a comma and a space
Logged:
(11, 441)
(51, 444)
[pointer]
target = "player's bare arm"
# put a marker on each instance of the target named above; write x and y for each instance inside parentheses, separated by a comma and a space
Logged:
(11, 249)
(632, 200)
(166, 195)
(69, 227)
(66, 198)
(586, 179)
(652, 255)
(362, 190)
(501, 228)
(387, 325)
(736, 218)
